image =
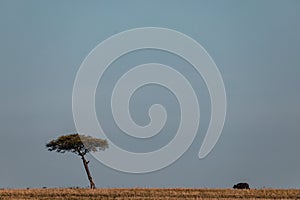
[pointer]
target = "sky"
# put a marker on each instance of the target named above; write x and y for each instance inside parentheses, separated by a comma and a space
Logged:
(255, 45)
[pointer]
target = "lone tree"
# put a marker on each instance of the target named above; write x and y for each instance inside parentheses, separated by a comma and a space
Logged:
(80, 145)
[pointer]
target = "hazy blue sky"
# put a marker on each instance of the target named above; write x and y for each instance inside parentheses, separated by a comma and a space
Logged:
(256, 45)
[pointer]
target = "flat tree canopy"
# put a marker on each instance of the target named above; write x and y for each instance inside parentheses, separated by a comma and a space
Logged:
(78, 144)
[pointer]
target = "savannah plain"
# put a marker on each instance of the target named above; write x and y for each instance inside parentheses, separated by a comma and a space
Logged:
(147, 193)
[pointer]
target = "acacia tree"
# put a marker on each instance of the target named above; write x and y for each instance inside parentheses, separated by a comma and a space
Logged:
(80, 145)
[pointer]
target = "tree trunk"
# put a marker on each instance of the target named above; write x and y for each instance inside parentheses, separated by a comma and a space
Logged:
(86, 167)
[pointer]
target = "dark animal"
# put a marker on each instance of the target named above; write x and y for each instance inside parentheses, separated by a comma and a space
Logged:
(241, 186)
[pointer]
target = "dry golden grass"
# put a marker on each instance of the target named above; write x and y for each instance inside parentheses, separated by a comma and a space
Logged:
(145, 193)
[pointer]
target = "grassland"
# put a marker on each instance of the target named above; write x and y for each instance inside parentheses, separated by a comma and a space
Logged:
(145, 193)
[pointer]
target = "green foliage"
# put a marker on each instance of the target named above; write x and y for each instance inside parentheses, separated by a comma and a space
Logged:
(78, 144)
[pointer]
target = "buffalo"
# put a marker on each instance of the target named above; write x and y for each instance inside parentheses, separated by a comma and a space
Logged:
(241, 186)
